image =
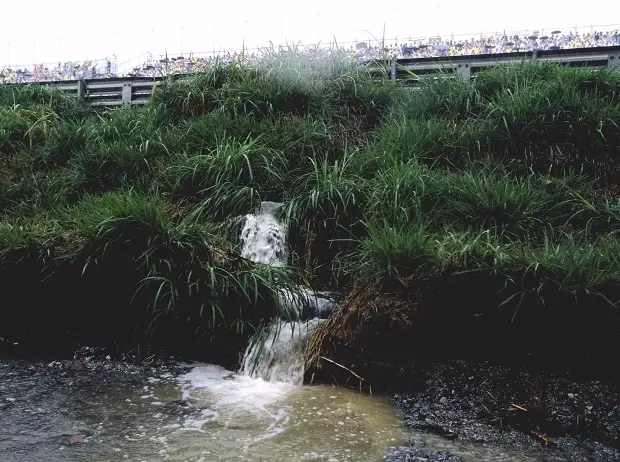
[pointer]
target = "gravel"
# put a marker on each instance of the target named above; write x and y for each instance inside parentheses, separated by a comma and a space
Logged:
(558, 417)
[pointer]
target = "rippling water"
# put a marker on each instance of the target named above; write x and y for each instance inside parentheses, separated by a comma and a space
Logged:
(209, 414)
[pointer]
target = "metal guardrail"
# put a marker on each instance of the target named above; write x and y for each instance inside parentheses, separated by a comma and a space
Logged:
(466, 67)
(132, 91)
(120, 92)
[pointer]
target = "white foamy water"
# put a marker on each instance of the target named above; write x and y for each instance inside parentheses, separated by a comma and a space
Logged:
(263, 240)
(263, 237)
(278, 356)
(230, 397)
(249, 418)
(229, 388)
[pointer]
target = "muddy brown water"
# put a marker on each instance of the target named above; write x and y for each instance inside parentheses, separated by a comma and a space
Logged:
(208, 414)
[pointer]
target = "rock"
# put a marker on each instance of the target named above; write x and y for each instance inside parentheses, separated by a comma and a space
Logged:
(178, 407)
(418, 452)
(77, 365)
(483, 391)
(76, 439)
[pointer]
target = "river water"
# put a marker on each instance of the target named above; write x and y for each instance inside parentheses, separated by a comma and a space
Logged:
(208, 414)
(48, 413)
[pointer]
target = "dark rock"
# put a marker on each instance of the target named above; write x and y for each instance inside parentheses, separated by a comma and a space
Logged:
(177, 407)
(417, 452)
(565, 417)
(77, 439)
(77, 365)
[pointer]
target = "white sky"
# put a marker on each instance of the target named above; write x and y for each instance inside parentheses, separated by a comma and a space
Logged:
(46, 31)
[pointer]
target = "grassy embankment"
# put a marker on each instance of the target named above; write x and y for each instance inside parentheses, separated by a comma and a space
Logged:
(483, 212)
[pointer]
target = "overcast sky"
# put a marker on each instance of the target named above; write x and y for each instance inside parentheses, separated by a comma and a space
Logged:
(44, 31)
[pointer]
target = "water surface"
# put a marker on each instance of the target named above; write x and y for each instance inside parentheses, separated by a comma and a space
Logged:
(209, 414)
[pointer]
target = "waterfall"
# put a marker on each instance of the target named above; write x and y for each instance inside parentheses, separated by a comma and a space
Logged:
(277, 354)
(309, 304)
(263, 237)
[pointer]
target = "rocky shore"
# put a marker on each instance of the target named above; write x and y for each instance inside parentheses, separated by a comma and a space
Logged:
(542, 416)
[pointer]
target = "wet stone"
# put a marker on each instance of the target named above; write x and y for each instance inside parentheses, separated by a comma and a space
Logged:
(178, 407)
(418, 452)
(77, 365)
(556, 417)
(76, 439)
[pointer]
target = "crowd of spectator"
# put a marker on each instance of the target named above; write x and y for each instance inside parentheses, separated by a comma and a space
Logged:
(89, 69)
(192, 63)
(504, 43)
(419, 48)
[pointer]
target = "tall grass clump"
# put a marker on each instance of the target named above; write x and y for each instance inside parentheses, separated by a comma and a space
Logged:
(445, 98)
(228, 180)
(405, 193)
(488, 200)
(26, 128)
(326, 216)
(393, 255)
(199, 94)
(27, 96)
(555, 117)
(503, 190)
(542, 116)
(175, 282)
(188, 274)
(28, 195)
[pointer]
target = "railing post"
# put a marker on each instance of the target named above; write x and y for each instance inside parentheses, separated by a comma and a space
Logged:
(81, 89)
(126, 95)
(464, 71)
(613, 62)
(534, 54)
(393, 70)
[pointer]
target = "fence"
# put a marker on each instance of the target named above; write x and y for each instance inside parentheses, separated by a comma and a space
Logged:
(411, 71)
(116, 91)
(132, 91)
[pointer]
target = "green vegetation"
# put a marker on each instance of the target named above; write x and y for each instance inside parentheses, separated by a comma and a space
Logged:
(122, 225)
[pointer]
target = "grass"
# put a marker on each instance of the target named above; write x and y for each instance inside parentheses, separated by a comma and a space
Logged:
(508, 183)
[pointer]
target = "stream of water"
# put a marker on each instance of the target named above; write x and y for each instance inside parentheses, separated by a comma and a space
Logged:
(208, 414)
(261, 413)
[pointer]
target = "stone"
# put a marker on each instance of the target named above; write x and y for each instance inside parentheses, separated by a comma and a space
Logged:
(76, 439)
(77, 365)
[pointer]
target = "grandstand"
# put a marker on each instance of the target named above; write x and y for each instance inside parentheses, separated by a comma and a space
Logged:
(72, 70)
(179, 63)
